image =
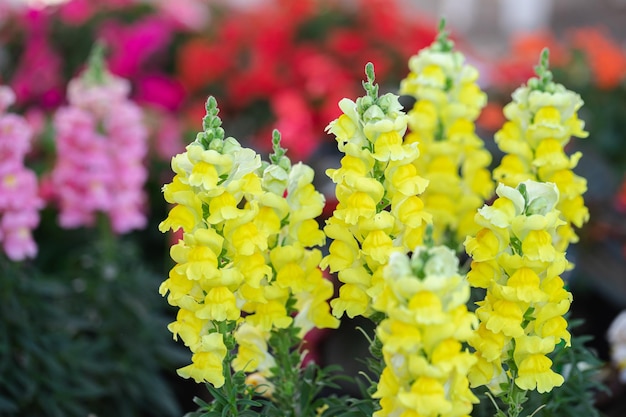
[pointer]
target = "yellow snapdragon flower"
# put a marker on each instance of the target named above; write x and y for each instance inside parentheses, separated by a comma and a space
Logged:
(426, 366)
(541, 119)
(246, 256)
(377, 187)
(521, 317)
(453, 157)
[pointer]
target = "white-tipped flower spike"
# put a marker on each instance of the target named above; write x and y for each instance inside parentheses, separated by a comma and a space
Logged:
(541, 120)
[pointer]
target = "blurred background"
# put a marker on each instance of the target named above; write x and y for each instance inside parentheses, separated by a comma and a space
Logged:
(83, 328)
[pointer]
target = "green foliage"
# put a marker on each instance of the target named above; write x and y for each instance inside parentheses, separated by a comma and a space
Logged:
(83, 332)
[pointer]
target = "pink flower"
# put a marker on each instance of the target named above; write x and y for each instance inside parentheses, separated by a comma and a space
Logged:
(95, 98)
(19, 200)
(101, 145)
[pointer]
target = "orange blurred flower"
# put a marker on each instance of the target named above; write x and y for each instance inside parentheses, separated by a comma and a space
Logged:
(491, 118)
(606, 58)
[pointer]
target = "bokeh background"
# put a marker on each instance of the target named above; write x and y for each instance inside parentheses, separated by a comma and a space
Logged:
(83, 328)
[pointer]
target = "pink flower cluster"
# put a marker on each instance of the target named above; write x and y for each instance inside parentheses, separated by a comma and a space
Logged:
(101, 145)
(19, 199)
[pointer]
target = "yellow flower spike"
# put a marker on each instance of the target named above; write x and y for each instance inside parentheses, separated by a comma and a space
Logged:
(234, 211)
(543, 116)
(521, 317)
(424, 299)
(448, 101)
(376, 190)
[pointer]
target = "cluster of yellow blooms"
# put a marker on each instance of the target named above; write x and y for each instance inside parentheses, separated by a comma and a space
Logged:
(247, 264)
(427, 321)
(377, 187)
(521, 317)
(441, 122)
(542, 118)
(248, 228)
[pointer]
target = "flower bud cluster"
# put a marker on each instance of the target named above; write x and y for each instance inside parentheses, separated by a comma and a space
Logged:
(521, 317)
(453, 158)
(379, 210)
(246, 257)
(19, 199)
(427, 322)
